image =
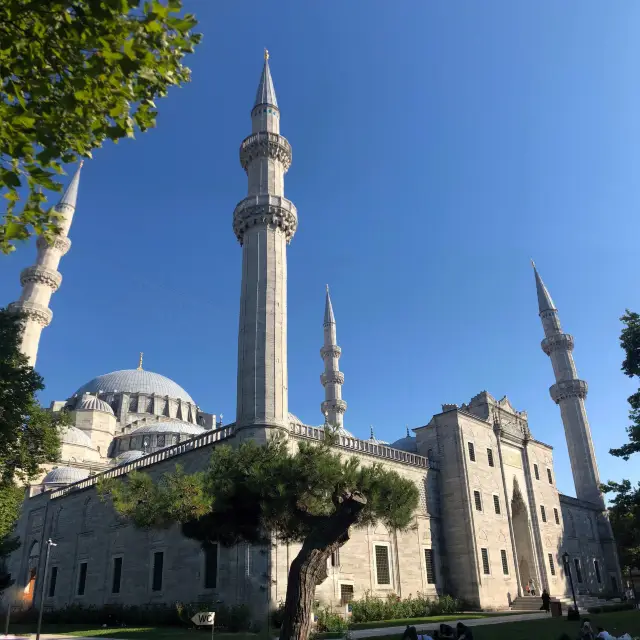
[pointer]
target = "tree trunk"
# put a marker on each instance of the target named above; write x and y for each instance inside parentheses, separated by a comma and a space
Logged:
(309, 567)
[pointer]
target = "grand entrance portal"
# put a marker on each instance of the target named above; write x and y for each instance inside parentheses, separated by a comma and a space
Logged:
(524, 547)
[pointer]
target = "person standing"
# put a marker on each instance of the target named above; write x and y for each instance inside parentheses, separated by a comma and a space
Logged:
(546, 599)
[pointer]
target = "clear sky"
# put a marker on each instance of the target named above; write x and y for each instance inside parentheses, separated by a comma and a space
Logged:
(437, 147)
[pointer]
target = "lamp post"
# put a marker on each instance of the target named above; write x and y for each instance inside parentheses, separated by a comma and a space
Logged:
(567, 569)
(50, 544)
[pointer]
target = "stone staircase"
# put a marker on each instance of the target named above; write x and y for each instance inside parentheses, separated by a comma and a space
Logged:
(533, 603)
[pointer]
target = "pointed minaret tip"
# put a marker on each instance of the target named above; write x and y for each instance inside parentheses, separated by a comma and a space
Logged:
(545, 303)
(266, 92)
(329, 318)
(533, 264)
(70, 196)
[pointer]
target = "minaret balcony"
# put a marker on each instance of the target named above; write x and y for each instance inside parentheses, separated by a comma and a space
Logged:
(34, 311)
(568, 389)
(333, 351)
(339, 406)
(265, 145)
(41, 275)
(265, 210)
(557, 342)
(333, 377)
(61, 243)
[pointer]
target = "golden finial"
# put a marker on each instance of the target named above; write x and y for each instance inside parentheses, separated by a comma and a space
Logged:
(266, 54)
(140, 361)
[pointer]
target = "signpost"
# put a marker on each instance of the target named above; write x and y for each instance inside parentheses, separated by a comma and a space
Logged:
(204, 619)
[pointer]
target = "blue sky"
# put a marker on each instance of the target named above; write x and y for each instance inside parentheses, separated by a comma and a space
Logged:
(437, 147)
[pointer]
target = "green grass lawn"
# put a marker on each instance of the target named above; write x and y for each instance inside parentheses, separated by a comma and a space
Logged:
(132, 633)
(436, 620)
(550, 629)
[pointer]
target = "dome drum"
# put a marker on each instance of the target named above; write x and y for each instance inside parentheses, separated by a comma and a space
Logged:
(157, 435)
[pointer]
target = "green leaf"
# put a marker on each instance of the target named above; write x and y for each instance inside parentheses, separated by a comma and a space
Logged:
(10, 178)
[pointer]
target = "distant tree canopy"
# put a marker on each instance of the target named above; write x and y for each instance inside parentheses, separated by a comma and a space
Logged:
(29, 435)
(630, 342)
(624, 514)
(74, 73)
(251, 493)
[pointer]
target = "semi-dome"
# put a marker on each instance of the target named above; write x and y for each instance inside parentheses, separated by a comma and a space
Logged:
(135, 381)
(92, 403)
(75, 436)
(169, 426)
(127, 456)
(65, 475)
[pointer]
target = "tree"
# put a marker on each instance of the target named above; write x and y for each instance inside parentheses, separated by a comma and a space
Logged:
(29, 435)
(74, 73)
(251, 493)
(630, 342)
(624, 514)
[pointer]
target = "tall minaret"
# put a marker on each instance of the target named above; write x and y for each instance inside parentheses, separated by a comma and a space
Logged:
(264, 223)
(332, 379)
(569, 392)
(42, 280)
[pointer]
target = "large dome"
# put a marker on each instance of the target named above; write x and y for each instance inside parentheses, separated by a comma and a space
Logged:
(65, 475)
(135, 381)
(169, 426)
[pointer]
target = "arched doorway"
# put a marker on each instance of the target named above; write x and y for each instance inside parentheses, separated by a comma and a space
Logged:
(32, 571)
(524, 547)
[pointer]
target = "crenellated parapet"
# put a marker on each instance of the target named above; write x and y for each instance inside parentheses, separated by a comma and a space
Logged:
(266, 210)
(557, 342)
(265, 144)
(42, 275)
(568, 389)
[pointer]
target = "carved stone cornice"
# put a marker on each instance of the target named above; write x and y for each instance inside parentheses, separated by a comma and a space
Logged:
(333, 377)
(34, 311)
(334, 351)
(265, 145)
(41, 274)
(265, 210)
(61, 243)
(568, 389)
(557, 342)
(339, 406)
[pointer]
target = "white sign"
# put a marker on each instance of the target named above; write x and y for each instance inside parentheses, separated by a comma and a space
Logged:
(204, 618)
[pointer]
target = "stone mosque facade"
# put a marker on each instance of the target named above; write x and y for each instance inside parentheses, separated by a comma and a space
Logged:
(490, 520)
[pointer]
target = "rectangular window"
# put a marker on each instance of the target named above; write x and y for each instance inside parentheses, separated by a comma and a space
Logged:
(549, 476)
(383, 571)
(472, 452)
(211, 566)
(247, 559)
(82, 578)
(543, 513)
(490, 457)
(335, 558)
(576, 562)
(536, 472)
(478, 499)
(485, 561)
(117, 575)
(552, 566)
(158, 565)
(596, 566)
(505, 564)
(346, 593)
(496, 504)
(428, 560)
(54, 578)
(556, 515)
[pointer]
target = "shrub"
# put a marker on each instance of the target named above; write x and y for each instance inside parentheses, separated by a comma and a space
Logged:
(330, 622)
(372, 608)
(610, 608)
(277, 615)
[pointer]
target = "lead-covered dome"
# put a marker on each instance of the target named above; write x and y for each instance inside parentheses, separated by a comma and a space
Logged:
(135, 381)
(169, 426)
(408, 443)
(75, 436)
(65, 475)
(92, 403)
(127, 456)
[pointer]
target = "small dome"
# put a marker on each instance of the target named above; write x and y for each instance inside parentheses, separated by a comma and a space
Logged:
(92, 403)
(135, 381)
(65, 475)
(73, 435)
(127, 456)
(408, 443)
(169, 426)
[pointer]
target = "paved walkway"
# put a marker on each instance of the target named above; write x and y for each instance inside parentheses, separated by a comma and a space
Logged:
(389, 631)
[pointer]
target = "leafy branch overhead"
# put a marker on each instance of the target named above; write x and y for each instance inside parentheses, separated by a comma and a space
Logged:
(73, 74)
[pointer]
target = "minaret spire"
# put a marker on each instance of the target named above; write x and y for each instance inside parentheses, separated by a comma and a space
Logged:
(40, 281)
(264, 223)
(332, 378)
(569, 392)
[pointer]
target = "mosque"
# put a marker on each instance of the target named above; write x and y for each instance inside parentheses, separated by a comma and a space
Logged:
(491, 524)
